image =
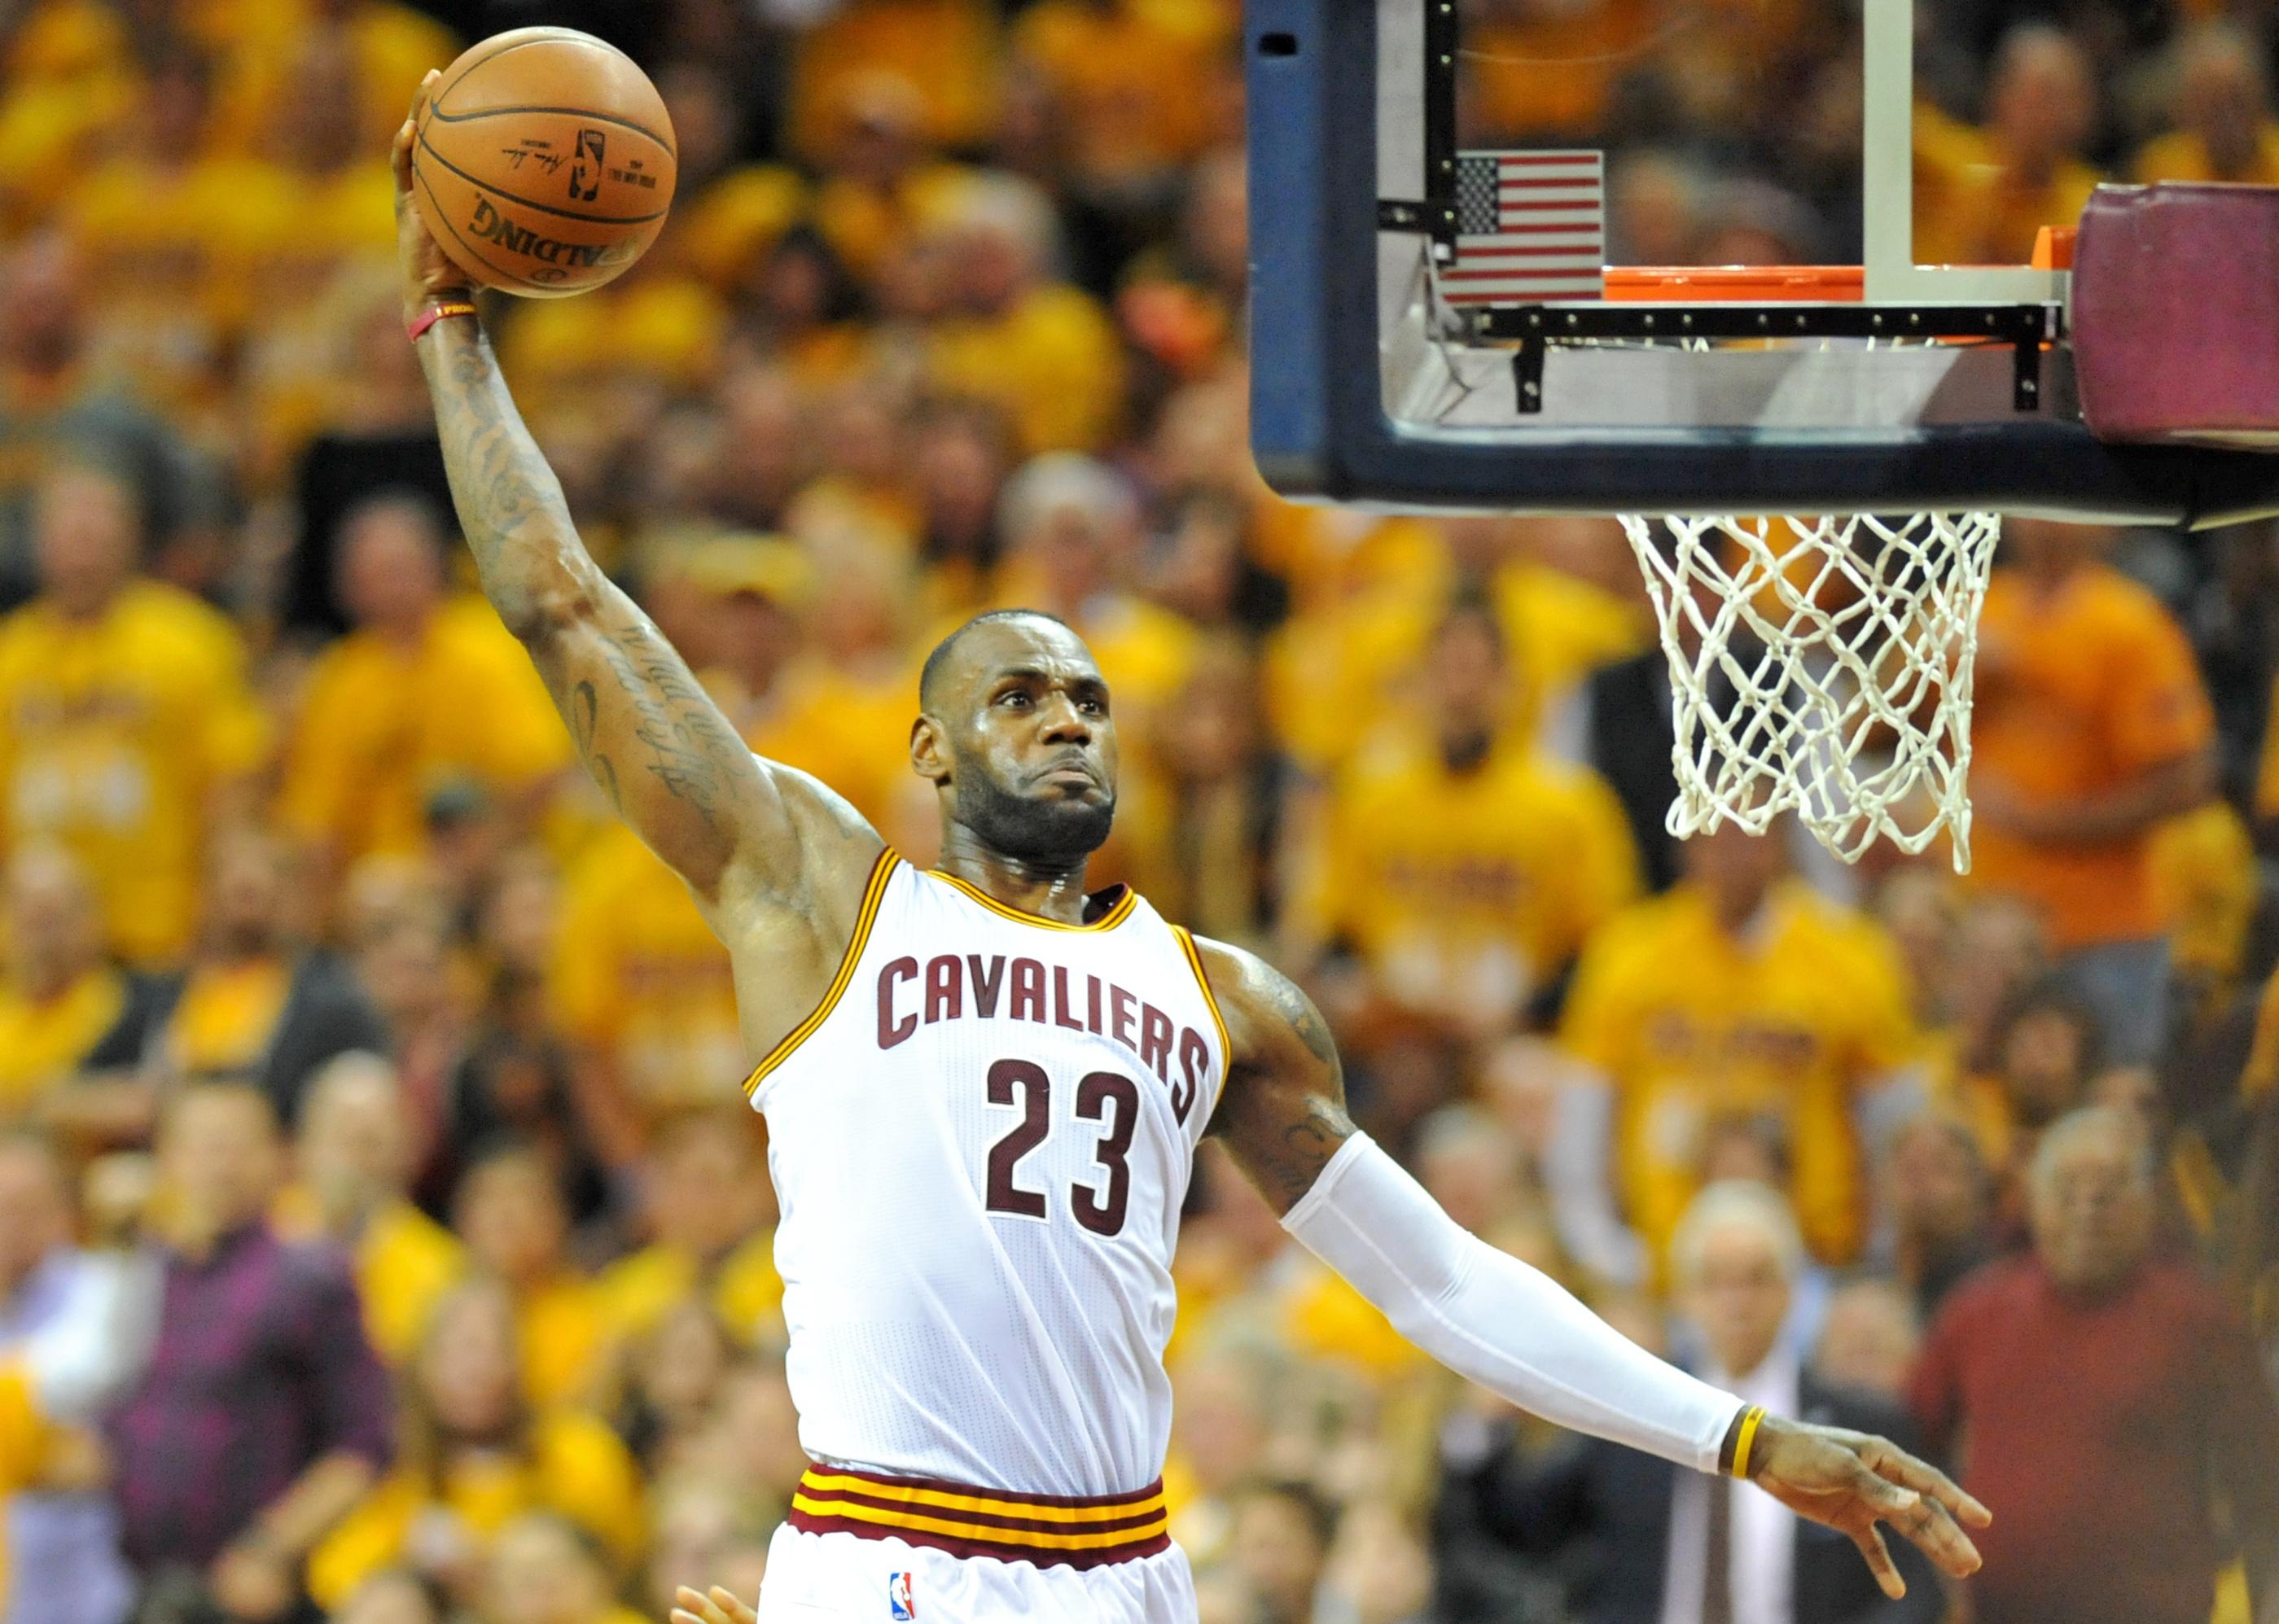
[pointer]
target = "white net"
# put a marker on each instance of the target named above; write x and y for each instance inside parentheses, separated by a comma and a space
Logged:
(1821, 667)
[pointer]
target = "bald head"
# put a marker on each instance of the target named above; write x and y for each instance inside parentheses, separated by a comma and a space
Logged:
(940, 663)
(1015, 734)
(2093, 1207)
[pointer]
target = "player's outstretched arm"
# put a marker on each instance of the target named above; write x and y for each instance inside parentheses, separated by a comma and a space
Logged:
(1492, 1318)
(649, 734)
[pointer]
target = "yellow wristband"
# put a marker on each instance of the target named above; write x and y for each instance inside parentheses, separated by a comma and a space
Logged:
(1750, 1417)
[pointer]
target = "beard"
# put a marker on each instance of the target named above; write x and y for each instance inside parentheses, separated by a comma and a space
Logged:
(1053, 832)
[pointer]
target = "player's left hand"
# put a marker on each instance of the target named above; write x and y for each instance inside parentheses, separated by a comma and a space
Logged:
(719, 1606)
(1852, 1482)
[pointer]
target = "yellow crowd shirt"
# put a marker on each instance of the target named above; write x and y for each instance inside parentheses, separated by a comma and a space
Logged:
(2077, 695)
(383, 724)
(564, 1339)
(1476, 885)
(1125, 78)
(745, 1291)
(574, 1465)
(43, 1041)
(23, 1443)
(945, 50)
(1054, 362)
(1692, 1027)
(2183, 155)
(405, 1264)
(113, 735)
(639, 977)
(226, 1016)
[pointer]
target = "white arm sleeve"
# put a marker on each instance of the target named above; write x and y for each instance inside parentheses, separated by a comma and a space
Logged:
(1488, 1316)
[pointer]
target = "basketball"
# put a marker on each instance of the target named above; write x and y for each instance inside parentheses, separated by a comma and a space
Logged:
(544, 163)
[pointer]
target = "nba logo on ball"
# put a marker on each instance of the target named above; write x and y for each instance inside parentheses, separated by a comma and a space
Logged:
(898, 1596)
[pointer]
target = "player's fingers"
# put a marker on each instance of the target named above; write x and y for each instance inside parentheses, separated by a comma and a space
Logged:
(693, 1607)
(399, 157)
(728, 1603)
(1878, 1556)
(1887, 1459)
(1940, 1538)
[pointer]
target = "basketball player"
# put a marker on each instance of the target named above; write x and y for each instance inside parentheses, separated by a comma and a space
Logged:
(984, 1090)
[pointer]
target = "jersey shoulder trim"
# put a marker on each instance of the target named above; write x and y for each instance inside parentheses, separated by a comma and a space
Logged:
(1117, 913)
(880, 872)
(1226, 1047)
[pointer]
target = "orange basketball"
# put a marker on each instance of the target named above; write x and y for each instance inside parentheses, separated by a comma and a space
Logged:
(544, 163)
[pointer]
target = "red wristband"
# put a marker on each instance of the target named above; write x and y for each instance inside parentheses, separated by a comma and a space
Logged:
(434, 313)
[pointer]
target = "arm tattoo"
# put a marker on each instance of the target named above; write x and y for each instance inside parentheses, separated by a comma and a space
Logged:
(1290, 1117)
(499, 482)
(685, 734)
(527, 550)
(584, 713)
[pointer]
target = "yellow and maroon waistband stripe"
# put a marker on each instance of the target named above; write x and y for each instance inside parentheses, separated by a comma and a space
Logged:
(1049, 1531)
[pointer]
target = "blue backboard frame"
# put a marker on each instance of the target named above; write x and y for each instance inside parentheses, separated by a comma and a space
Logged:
(1320, 432)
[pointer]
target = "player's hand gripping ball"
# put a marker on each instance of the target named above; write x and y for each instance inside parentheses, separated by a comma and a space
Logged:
(542, 162)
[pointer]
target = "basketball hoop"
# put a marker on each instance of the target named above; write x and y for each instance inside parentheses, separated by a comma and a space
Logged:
(1821, 667)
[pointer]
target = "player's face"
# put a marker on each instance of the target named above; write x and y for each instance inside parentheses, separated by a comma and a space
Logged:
(1027, 744)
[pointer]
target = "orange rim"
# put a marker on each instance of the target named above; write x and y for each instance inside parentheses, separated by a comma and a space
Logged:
(1736, 283)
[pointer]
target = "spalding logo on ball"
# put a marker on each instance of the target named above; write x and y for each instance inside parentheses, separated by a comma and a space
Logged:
(544, 163)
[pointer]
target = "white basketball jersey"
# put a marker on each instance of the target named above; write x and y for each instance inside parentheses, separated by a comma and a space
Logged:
(981, 1141)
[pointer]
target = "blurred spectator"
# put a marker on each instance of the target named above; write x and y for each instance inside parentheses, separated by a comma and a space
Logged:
(2042, 108)
(701, 1531)
(2222, 111)
(1940, 1196)
(125, 720)
(673, 1378)
(54, 402)
(255, 1002)
(510, 1211)
(71, 1321)
(475, 1454)
(1652, 1542)
(1214, 861)
(2102, 1395)
(265, 1415)
(1283, 1531)
(960, 458)
(1869, 1335)
(752, 1445)
(377, 439)
(1792, 1015)
(545, 1569)
(2092, 728)
(944, 51)
(1042, 350)
(425, 689)
(352, 1174)
(516, 1077)
(65, 1010)
(710, 1215)
(1464, 870)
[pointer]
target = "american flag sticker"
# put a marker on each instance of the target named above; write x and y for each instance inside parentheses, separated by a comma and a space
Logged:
(1530, 226)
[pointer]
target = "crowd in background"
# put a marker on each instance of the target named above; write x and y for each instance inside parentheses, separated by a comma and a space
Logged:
(382, 1233)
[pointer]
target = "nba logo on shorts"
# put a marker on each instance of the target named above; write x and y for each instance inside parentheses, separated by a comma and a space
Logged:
(898, 1596)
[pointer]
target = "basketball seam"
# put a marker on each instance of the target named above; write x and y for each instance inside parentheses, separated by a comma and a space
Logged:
(567, 112)
(494, 56)
(568, 214)
(444, 215)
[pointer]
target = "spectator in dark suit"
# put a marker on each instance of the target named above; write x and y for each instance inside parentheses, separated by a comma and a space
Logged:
(2105, 1396)
(1645, 1544)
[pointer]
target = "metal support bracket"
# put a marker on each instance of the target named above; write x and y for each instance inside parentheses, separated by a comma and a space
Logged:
(1535, 328)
